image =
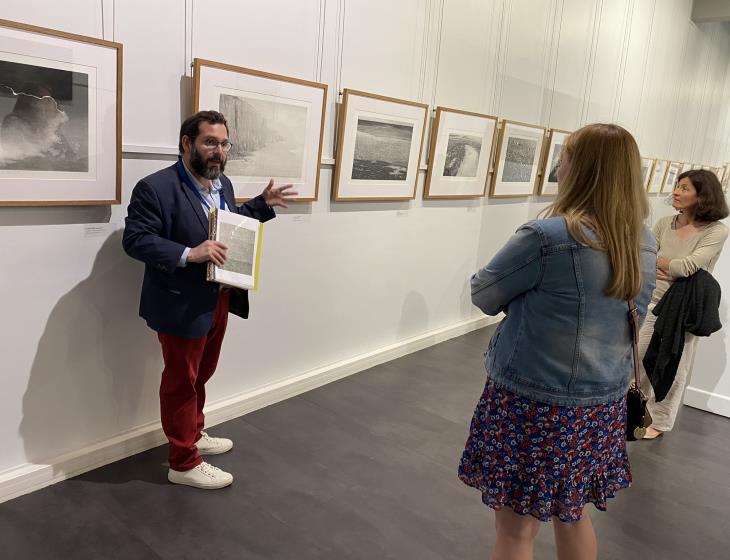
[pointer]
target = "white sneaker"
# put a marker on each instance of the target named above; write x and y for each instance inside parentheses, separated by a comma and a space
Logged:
(213, 445)
(204, 476)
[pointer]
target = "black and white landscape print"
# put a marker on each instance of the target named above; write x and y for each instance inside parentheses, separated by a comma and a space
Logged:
(518, 160)
(553, 175)
(462, 155)
(268, 137)
(241, 248)
(44, 118)
(382, 149)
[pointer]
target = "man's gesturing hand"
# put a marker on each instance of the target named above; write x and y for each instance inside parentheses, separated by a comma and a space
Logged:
(213, 251)
(278, 196)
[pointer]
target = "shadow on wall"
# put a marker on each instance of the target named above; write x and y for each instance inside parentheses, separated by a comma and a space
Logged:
(97, 367)
(413, 316)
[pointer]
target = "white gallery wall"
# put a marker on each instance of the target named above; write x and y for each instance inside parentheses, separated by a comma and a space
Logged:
(341, 283)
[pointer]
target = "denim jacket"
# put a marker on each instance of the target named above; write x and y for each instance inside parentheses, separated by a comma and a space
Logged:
(563, 341)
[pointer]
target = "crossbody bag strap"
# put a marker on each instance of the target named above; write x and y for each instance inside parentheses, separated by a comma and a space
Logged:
(634, 322)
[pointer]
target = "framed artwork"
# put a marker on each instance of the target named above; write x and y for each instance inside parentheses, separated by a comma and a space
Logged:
(519, 148)
(670, 178)
(686, 166)
(647, 166)
(549, 179)
(379, 144)
(60, 118)
(696, 166)
(726, 176)
(275, 124)
(461, 147)
(657, 176)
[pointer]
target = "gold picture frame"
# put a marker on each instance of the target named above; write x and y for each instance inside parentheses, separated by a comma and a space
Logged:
(379, 146)
(519, 162)
(460, 154)
(61, 106)
(290, 110)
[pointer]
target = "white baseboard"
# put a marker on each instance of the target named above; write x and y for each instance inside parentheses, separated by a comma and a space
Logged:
(30, 477)
(705, 400)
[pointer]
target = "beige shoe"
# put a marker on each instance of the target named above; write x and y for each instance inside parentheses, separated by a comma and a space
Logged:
(213, 445)
(204, 476)
(652, 433)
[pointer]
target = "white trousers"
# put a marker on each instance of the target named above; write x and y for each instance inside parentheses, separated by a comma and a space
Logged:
(664, 413)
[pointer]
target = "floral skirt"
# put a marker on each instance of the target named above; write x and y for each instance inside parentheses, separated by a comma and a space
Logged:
(545, 460)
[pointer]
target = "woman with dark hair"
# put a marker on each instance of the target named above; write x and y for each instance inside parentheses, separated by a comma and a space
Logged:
(686, 242)
(548, 433)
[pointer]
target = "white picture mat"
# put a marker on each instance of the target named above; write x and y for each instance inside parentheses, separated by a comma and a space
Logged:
(90, 71)
(686, 167)
(214, 81)
(459, 123)
(378, 109)
(244, 281)
(657, 176)
(521, 188)
(92, 59)
(556, 139)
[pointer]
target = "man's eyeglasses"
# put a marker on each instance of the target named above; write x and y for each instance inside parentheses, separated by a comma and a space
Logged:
(211, 144)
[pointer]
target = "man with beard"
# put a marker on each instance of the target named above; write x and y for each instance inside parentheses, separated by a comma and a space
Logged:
(167, 229)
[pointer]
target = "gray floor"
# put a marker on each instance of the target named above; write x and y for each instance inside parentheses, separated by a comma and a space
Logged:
(365, 468)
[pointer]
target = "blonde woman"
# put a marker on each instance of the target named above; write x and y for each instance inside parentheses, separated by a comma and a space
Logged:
(687, 242)
(547, 436)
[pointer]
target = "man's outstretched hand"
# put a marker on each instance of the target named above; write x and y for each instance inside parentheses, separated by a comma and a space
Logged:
(278, 196)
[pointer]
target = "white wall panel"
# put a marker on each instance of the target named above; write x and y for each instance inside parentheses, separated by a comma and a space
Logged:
(383, 46)
(607, 61)
(661, 89)
(525, 55)
(634, 75)
(74, 16)
(277, 36)
(576, 24)
(153, 76)
(468, 55)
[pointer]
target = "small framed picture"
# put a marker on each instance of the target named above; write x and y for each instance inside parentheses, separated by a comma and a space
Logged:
(647, 166)
(549, 178)
(461, 149)
(60, 118)
(657, 176)
(378, 147)
(275, 124)
(686, 166)
(670, 178)
(519, 150)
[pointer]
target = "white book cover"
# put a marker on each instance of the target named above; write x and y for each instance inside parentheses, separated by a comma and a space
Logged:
(242, 236)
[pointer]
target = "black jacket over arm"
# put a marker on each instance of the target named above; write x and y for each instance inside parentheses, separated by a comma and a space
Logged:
(691, 304)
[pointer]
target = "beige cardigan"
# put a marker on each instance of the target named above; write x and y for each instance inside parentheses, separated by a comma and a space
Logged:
(687, 256)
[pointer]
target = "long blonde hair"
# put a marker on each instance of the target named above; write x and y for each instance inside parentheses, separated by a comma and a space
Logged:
(602, 190)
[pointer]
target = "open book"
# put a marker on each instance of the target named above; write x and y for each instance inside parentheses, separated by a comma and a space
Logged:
(242, 235)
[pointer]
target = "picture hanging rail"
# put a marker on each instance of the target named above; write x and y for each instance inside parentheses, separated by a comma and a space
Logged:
(461, 149)
(60, 118)
(275, 124)
(379, 143)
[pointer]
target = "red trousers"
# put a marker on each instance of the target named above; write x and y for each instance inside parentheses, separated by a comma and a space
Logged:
(189, 363)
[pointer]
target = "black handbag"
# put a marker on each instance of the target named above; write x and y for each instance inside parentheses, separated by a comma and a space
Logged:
(638, 418)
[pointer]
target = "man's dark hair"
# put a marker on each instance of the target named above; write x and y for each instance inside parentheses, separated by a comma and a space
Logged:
(711, 204)
(191, 126)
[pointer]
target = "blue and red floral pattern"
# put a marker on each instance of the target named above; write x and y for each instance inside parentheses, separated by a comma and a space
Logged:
(545, 460)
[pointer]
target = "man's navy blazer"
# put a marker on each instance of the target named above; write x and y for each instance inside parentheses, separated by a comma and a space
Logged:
(165, 216)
